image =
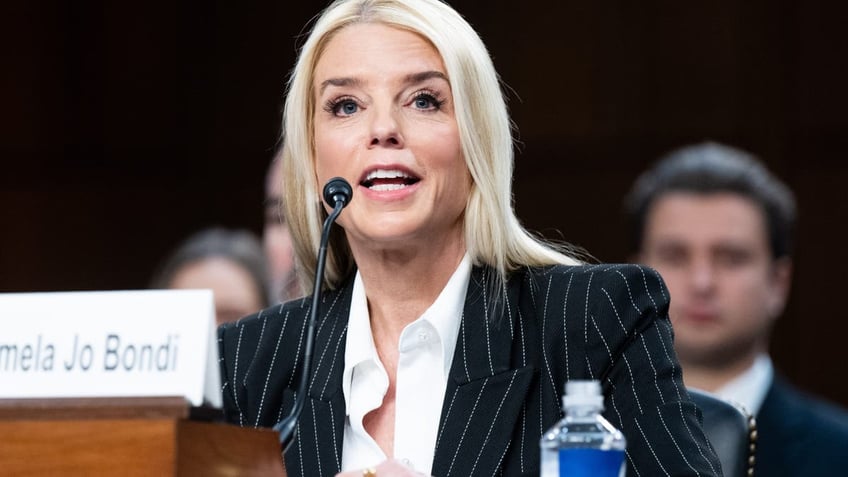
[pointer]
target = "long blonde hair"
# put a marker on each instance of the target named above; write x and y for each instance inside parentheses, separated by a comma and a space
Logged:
(493, 234)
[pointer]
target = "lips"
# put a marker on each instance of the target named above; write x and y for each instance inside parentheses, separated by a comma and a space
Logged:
(700, 315)
(389, 179)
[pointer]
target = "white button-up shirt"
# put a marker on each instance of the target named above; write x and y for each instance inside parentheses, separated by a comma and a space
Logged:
(426, 350)
(750, 388)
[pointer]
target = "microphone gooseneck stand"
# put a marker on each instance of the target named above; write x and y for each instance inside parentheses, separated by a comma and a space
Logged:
(337, 194)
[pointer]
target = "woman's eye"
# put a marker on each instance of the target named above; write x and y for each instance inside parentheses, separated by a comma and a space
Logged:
(422, 102)
(426, 101)
(346, 107)
(341, 107)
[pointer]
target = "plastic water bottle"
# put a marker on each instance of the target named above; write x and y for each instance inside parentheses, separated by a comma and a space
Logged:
(583, 443)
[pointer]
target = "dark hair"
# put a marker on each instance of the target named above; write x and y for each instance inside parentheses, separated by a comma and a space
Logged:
(239, 246)
(711, 168)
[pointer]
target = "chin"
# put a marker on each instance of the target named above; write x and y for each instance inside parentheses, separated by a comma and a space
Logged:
(388, 236)
(698, 342)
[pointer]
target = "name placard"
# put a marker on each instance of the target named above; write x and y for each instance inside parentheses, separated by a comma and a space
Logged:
(109, 344)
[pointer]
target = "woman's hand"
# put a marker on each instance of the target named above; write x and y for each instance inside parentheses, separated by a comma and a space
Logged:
(387, 468)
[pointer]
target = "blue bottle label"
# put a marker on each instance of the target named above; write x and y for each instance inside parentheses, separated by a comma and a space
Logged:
(590, 463)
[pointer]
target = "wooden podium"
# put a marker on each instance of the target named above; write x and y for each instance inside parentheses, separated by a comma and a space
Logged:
(127, 436)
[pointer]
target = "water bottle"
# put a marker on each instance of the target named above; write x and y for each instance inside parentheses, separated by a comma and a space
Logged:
(583, 443)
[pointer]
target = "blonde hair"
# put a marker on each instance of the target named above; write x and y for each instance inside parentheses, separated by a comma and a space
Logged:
(493, 234)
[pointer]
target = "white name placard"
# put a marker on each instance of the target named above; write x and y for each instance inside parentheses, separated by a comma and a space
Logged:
(109, 344)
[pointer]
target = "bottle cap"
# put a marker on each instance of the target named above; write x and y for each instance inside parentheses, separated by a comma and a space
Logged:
(583, 393)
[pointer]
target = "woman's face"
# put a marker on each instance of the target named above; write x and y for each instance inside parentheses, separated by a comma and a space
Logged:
(235, 291)
(385, 121)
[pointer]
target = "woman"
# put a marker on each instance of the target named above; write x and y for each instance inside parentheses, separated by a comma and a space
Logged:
(230, 262)
(448, 332)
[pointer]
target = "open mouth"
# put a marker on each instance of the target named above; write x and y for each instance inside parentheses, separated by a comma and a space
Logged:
(388, 179)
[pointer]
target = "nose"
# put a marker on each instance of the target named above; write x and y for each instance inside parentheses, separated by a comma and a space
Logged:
(702, 276)
(385, 128)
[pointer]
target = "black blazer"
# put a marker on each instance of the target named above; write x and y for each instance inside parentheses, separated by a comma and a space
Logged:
(800, 436)
(515, 350)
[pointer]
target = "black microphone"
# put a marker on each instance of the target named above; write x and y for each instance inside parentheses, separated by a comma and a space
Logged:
(337, 194)
(337, 189)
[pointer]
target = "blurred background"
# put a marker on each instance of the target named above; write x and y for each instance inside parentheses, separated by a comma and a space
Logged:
(126, 126)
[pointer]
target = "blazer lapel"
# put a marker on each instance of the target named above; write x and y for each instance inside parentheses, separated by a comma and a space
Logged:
(321, 425)
(488, 383)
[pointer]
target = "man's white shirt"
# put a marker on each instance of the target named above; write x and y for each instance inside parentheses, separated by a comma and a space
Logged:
(750, 388)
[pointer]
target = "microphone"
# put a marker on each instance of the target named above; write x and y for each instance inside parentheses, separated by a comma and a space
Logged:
(337, 194)
(337, 189)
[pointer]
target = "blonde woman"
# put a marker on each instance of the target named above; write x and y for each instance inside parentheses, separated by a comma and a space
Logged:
(447, 331)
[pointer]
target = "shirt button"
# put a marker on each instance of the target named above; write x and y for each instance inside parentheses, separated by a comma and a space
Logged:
(423, 336)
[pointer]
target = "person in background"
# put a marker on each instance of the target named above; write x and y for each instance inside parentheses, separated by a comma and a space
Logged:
(229, 262)
(719, 228)
(447, 331)
(276, 238)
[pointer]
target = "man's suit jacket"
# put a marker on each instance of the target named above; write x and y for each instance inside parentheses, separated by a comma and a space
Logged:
(517, 346)
(800, 436)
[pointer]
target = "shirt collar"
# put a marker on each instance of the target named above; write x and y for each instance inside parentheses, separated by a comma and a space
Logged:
(750, 388)
(444, 315)
(359, 345)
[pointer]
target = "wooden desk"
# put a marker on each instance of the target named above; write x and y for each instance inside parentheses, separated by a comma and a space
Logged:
(127, 436)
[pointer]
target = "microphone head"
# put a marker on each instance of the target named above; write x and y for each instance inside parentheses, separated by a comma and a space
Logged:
(337, 190)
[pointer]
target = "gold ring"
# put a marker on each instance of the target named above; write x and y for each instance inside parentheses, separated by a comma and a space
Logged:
(369, 472)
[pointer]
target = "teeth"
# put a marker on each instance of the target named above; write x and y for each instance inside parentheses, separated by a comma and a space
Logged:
(387, 187)
(386, 174)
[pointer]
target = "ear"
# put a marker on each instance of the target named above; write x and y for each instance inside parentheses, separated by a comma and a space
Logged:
(780, 283)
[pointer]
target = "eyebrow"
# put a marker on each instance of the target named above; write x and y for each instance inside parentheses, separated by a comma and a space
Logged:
(413, 78)
(424, 76)
(339, 82)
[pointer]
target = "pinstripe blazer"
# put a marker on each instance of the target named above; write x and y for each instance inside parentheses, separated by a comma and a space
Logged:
(513, 356)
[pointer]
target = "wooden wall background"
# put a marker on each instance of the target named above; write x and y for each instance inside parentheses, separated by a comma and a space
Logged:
(125, 126)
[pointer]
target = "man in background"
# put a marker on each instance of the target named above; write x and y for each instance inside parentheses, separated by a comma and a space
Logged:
(276, 237)
(718, 227)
